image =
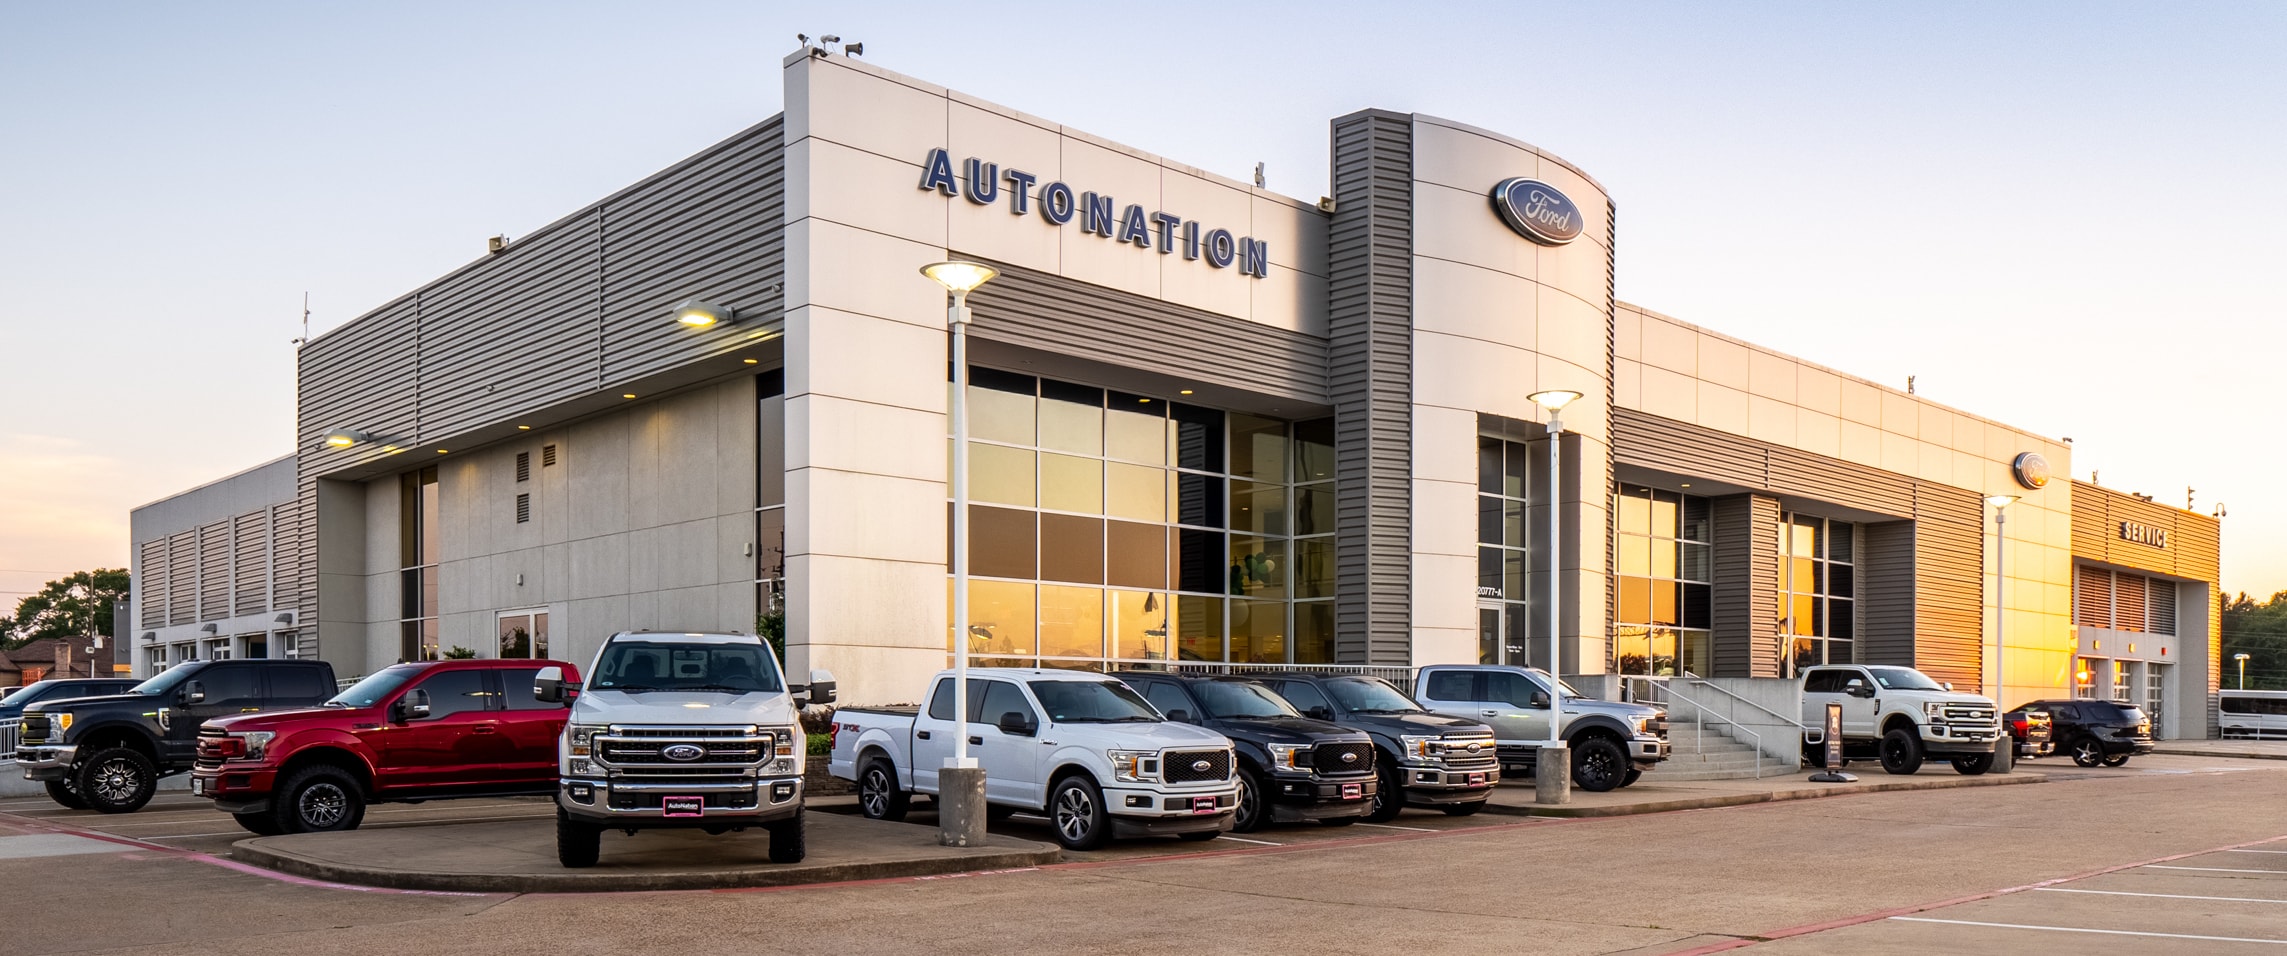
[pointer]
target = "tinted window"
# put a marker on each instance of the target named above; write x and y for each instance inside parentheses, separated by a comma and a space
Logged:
(2238, 705)
(1240, 698)
(941, 702)
(1515, 690)
(1370, 695)
(1002, 697)
(231, 686)
(1453, 685)
(1903, 678)
(1168, 698)
(1092, 701)
(516, 690)
(1823, 682)
(2062, 712)
(370, 691)
(638, 666)
(299, 683)
(455, 692)
(1303, 695)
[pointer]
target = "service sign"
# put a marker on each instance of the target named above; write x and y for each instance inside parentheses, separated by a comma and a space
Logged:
(1538, 211)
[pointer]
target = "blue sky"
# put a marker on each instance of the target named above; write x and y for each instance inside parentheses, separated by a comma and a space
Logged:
(2062, 216)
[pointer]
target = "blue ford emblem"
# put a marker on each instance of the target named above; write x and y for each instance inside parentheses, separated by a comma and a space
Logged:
(1538, 211)
(1201, 765)
(684, 752)
(1349, 758)
(1472, 748)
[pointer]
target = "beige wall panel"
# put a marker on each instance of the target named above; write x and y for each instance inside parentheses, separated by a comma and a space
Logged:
(1722, 408)
(1900, 454)
(1461, 227)
(872, 192)
(1861, 444)
(1722, 362)
(1628, 383)
(1818, 433)
(1671, 346)
(597, 457)
(1818, 390)
(1901, 415)
(1627, 333)
(1444, 645)
(1861, 403)
(879, 650)
(1460, 159)
(1475, 302)
(851, 435)
(894, 349)
(865, 109)
(1285, 298)
(1445, 445)
(881, 517)
(1771, 420)
(1445, 590)
(1596, 228)
(1591, 416)
(1007, 140)
(1670, 394)
(841, 267)
(1771, 376)
(1104, 261)
(1573, 331)
(1474, 375)
(1578, 269)
(1936, 426)
(1225, 291)
(1297, 236)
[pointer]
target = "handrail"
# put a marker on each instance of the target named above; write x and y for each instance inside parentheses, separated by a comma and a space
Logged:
(11, 731)
(1796, 722)
(1700, 713)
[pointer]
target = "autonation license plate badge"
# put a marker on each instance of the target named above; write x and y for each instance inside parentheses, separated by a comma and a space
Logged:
(682, 806)
(198, 787)
(1476, 779)
(1202, 805)
(1353, 791)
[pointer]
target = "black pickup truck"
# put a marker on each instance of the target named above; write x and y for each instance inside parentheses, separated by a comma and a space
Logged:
(1291, 768)
(1427, 760)
(108, 753)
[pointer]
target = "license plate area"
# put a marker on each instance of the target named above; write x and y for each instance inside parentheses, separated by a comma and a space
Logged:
(682, 806)
(1202, 805)
(1353, 791)
(1476, 780)
(198, 787)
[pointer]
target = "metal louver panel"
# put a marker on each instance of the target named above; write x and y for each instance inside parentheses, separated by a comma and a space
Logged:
(183, 577)
(524, 466)
(2128, 602)
(1949, 584)
(250, 563)
(2092, 597)
(1370, 382)
(214, 571)
(2160, 599)
(523, 509)
(151, 583)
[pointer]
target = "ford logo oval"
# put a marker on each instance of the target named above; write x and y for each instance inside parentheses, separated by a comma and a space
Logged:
(1201, 766)
(684, 752)
(1472, 748)
(1538, 211)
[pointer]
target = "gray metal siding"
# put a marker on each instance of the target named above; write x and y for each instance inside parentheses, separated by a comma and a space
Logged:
(1650, 441)
(1370, 380)
(1036, 310)
(1949, 584)
(1886, 593)
(1746, 586)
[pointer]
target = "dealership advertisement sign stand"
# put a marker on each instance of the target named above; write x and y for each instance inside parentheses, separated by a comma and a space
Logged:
(1835, 751)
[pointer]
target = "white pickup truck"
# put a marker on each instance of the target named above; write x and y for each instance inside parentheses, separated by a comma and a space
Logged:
(681, 730)
(1080, 748)
(1898, 715)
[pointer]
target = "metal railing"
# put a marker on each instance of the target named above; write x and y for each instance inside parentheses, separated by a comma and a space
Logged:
(11, 732)
(1664, 691)
(1401, 676)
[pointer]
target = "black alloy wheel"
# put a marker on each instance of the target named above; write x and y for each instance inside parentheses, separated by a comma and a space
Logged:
(1389, 793)
(117, 780)
(320, 799)
(1598, 765)
(65, 794)
(2087, 751)
(1973, 764)
(2116, 760)
(1249, 815)
(878, 795)
(1076, 807)
(1901, 752)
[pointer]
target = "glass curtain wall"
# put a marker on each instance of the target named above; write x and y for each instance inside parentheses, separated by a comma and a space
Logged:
(1503, 594)
(1818, 608)
(417, 516)
(1114, 529)
(770, 504)
(1662, 548)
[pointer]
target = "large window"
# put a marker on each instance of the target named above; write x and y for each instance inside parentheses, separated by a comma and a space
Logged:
(770, 500)
(417, 517)
(1502, 546)
(1113, 528)
(1818, 608)
(1663, 577)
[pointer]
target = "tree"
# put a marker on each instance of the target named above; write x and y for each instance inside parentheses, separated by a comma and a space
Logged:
(78, 603)
(2260, 632)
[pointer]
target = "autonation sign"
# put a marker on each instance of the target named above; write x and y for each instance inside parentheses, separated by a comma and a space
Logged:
(982, 183)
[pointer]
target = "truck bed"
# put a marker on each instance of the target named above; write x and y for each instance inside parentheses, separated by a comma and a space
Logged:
(890, 710)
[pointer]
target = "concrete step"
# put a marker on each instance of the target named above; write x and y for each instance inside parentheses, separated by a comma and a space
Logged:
(1664, 775)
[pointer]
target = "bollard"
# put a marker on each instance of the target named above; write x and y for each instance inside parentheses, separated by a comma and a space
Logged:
(1552, 776)
(961, 806)
(2004, 754)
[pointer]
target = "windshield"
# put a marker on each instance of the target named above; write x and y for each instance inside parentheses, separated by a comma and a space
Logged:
(1238, 698)
(370, 691)
(166, 682)
(1903, 678)
(1369, 695)
(13, 705)
(637, 666)
(1086, 702)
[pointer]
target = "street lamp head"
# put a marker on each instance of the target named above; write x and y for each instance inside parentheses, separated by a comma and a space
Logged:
(345, 437)
(1554, 399)
(2239, 657)
(700, 314)
(960, 277)
(2001, 501)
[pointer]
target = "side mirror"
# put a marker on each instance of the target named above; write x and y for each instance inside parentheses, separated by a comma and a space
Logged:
(1948, 685)
(548, 685)
(1179, 716)
(1858, 688)
(821, 689)
(414, 705)
(1539, 700)
(194, 692)
(1320, 712)
(1015, 724)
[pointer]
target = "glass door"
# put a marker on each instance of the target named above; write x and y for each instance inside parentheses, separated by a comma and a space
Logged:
(1490, 649)
(524, 633)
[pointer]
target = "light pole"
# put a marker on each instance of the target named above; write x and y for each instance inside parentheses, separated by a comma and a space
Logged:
(961, 783)
(1552, 771)
(2000, 505)
(2242, 659)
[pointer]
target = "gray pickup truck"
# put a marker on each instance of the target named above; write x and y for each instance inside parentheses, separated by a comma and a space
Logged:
(1612, 743)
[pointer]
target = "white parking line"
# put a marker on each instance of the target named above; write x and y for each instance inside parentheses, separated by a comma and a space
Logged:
(2211, 869)
(1245, 840)
(2255, 851)
(1385, 826)
(2105, 932)
(2162, 896)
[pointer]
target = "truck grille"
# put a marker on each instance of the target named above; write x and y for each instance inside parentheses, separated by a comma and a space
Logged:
(1335, 760)
(1182, 765)
(725, 754)
(1970, 714)
(1457, 756)
(1658, 726)
(209, 753)
(630, 752)
(35, 729)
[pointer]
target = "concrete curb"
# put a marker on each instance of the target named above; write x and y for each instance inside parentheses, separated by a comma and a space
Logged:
(1769, 796)
(2221, 752)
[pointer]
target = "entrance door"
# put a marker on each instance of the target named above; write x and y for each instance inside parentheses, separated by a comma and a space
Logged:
(2155, 698)
(524, 634)
(1490, 649)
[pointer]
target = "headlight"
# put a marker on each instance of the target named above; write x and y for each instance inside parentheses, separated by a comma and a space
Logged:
(62, 723)
(581, 735)
(581, 766)
(1419, 749)
(256, 741)
(1934, 709)
(1134, 766)
(1288, 757)
(785, 739)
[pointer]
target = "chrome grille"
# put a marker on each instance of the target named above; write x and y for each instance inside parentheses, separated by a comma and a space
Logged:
(1178, 765)
(1335, 760)
(1455, 750)
(726, 754)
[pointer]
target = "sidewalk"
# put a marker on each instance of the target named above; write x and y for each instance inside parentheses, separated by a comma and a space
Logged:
(2250, 749)
(1648, 795)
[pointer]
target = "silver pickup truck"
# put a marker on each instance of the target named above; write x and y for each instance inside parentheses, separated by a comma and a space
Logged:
(1612, 743)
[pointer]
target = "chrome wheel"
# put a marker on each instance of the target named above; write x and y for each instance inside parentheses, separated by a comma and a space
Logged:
(2087, 752)
(115, 780)
(322, 805)
(1075, 814)
(873, 793)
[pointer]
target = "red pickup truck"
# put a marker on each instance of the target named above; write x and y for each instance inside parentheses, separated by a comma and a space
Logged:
(412, 732)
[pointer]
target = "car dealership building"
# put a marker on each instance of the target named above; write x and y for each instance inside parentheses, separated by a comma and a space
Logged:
(1208, 423)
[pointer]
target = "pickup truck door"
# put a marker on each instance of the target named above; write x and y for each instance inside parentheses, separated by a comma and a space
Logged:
(1454, 693)
(230, 688)
(529, 729)
(458, 744)
(1011, 761)
(933, 734)
(1832, 685)
(1508, 708)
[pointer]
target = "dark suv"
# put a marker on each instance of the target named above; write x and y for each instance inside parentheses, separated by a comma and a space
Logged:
(2092, 731)
(47, 690)
(1426, 760)
(1291, 768)
(108, 753)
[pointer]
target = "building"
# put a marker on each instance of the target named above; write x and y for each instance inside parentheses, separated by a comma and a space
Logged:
(56, 657)
(1210, 423)
(216, 572)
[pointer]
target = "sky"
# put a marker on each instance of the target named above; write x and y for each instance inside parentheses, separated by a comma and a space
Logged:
(2063, 216)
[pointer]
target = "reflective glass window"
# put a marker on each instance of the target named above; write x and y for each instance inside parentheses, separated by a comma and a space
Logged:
(1138, 625)
(1071, 621)
(1136, 492)
(1000, 406)
(1068, 483)
(1071, 418)
(1258, 448)
(1000, 475)
(1071, 548)
(1135, 429)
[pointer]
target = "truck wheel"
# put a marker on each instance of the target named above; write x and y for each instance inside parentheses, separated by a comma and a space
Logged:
(1076, 806)
(1598, 765)
(65, 796)
(788, 839)
(319, 799)
(117, 780)
(1633, 775)
(1463, 809)
(2087, 752)
(259, 824)
(878, 796)
(2117, 760)
(1973, 764)
(1389, 794)
(1901, 752)
(1249, 816)
(577, 844)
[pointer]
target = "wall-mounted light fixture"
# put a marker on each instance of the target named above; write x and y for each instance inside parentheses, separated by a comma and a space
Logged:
(345, 437)
(150, 635)
(701, 314)
(286, 618)
(207, 628)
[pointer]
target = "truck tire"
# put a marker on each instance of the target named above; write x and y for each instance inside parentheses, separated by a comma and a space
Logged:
(319, 799)
(259, 824)
(789, 839)
(65, 796)
(1598, 764)
(118, 780)
(1248, 815)
(2087, 751)
(1076, 807)
(1389, 794)
(1901, 752)
(2116, 760)
(878, 795)
(577, 844)
(1632, 776)
(1973, 764)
